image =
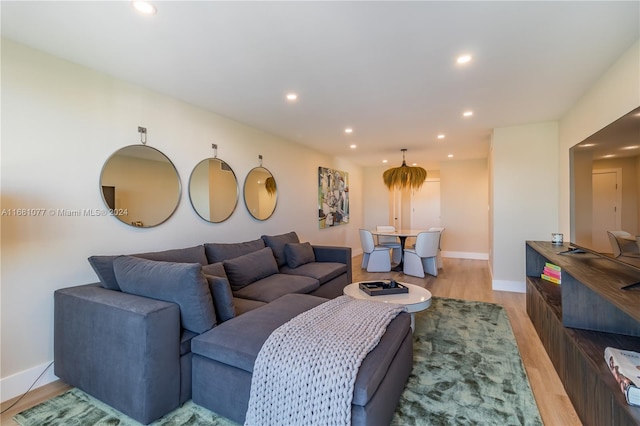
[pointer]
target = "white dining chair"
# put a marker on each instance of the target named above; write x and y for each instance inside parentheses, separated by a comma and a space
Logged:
(441, 230)
(423, 258)
(375, 258)
(390, 241)
(622, 246)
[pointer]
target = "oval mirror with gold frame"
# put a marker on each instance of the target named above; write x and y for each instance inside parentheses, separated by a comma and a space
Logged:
(260, 193)
(140, 185)
(213, 190)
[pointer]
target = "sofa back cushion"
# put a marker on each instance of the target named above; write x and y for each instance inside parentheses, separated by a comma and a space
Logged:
(103, 265)
(298, 254)
(244, 270)
(277, 243)
(215, 270)
(219, 252)
(180, 283)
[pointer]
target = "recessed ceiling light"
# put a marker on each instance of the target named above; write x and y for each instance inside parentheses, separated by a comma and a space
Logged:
(353, 146)
(467, 113)
(414, 164)
(463, 59)
(384, 161)
(144, 7)
(348, 130)
(440, 136)
(292, 96)
(631, 147)
(450, 155)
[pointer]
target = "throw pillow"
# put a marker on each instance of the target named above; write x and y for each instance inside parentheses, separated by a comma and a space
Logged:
(180, 283)
(215, 269)
(103, 265)
(222, 298)
(277, 243)
(250, 268)
(299, 254)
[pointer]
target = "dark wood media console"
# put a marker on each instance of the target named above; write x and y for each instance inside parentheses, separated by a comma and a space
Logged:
(577, 320)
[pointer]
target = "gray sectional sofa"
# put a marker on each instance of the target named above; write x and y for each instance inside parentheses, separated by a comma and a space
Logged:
(162, 327)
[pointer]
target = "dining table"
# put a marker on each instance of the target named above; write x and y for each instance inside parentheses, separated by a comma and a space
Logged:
(402, 235)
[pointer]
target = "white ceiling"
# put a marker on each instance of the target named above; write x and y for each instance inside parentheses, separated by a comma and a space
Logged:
(386, 69)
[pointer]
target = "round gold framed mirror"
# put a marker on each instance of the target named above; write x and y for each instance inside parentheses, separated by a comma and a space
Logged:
(260, 193)
(140, 186)
(213, 190)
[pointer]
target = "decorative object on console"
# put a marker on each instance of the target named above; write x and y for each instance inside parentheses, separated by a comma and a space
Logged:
(625, 367)
(556, 238)
(213, 189)
(140, 185)
(552, 273)
(333, 197)
(260, 192)
(404, 176)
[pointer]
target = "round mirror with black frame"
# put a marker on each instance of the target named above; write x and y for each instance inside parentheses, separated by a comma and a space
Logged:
(260, 193)
(213, 190)
(140, 186)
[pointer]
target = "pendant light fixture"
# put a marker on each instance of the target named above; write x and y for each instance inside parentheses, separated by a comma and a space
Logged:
(404, 176)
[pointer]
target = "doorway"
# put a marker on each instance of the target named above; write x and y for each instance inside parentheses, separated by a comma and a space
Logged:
(606, 206)
(425, 208)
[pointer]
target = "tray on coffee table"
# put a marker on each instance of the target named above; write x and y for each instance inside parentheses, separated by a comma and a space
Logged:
(385, 287)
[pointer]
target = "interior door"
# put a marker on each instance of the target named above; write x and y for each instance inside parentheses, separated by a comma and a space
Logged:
(606, 208)
(425, 211)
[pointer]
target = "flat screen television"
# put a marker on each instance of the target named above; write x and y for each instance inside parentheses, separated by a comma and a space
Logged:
(605, 186)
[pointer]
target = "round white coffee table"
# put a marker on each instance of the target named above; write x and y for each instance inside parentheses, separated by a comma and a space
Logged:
(416, 300)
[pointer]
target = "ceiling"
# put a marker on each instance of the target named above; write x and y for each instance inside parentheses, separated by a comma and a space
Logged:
(386, 69)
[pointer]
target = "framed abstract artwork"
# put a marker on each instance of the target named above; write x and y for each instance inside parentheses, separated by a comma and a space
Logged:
(333, 197)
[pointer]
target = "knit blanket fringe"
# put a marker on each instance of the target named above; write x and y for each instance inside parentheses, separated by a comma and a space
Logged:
(306, 371)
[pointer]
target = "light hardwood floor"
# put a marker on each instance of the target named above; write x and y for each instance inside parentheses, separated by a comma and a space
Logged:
(459, 279)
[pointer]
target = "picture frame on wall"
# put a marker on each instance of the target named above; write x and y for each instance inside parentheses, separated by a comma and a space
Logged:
(333, 197)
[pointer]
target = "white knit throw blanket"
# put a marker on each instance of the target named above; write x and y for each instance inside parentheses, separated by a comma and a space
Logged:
(306, 371)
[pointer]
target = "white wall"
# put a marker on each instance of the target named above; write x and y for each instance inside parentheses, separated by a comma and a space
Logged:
(60, 123)
(464, 198)
(525, 196)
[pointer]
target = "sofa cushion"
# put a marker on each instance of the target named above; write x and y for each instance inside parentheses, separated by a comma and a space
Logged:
(298, 254)
(215, 270)
(103, 265)
(277, 244)
(238, 342)
(222, 298)
(180, 283)
(244, 270)
(277, 285)
(245, 305)
(219, 252)
(322, 271)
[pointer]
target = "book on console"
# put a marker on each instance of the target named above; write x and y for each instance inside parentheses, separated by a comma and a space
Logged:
(625, 367)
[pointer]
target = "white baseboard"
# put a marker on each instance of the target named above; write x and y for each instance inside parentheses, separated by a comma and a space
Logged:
(465, 255)
(17, 384)
(506, 285)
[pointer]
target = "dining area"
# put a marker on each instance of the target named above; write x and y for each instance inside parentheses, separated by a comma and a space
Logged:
(385, 249)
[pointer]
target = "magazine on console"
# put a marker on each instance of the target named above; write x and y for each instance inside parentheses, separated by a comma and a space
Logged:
(625, 367)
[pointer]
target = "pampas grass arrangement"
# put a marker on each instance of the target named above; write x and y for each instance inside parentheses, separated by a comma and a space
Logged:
(270, 185)
(404, 176)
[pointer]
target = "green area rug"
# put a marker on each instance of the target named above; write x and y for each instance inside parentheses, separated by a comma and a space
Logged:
(467, 371)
